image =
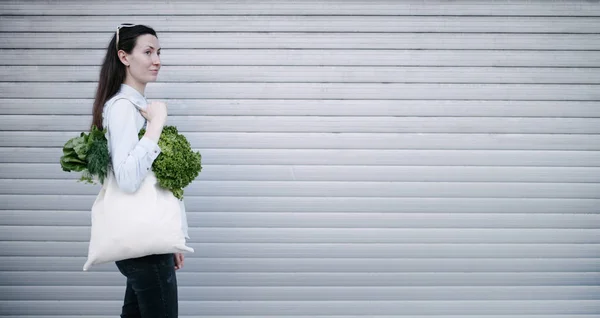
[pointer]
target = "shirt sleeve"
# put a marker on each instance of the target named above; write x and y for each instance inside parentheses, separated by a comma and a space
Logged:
(131, 158)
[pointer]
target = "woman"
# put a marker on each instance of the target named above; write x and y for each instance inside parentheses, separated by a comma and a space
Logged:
(132, 60)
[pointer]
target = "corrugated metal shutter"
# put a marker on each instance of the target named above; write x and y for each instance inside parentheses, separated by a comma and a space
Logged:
(361, 158)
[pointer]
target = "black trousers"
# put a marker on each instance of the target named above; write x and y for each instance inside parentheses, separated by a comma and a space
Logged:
(151, 290)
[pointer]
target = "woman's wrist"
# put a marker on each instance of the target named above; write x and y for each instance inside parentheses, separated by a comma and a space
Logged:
(153, 131)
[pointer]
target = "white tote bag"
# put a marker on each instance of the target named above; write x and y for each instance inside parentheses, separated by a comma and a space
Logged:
(128, 225)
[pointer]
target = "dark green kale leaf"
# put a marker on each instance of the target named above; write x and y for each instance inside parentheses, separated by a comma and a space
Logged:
(88, 154)
(71, 159)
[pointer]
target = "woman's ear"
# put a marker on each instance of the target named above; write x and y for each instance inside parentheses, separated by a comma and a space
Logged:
(123, 57)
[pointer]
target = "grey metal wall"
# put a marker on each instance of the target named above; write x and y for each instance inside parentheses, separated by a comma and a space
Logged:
(361, 158)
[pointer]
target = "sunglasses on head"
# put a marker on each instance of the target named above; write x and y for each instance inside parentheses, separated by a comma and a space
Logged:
(123, 25)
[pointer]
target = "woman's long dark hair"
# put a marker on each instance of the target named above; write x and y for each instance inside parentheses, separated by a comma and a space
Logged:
(112, 73)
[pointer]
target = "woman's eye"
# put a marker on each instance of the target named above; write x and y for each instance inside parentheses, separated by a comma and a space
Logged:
(148, 52)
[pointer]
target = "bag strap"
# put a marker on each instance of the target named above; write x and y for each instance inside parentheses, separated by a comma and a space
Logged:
(105, 117)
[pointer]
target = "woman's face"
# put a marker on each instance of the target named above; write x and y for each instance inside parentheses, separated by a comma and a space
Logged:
(144, 60)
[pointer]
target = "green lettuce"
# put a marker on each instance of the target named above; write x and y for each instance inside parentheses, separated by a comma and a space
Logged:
(177, 165)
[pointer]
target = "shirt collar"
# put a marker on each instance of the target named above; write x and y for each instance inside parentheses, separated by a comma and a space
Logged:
(133, 95)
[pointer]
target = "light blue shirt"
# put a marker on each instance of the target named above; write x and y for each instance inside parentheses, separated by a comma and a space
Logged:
(131, 157)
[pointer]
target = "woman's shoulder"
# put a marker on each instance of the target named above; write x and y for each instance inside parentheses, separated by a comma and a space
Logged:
(120, 99)
(120, 106)
(121, 102)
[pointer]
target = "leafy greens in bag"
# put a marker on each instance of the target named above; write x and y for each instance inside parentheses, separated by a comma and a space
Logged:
(175, 167)
(88, 154)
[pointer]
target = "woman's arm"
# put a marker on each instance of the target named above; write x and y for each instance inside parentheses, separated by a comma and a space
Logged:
(131, 157)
